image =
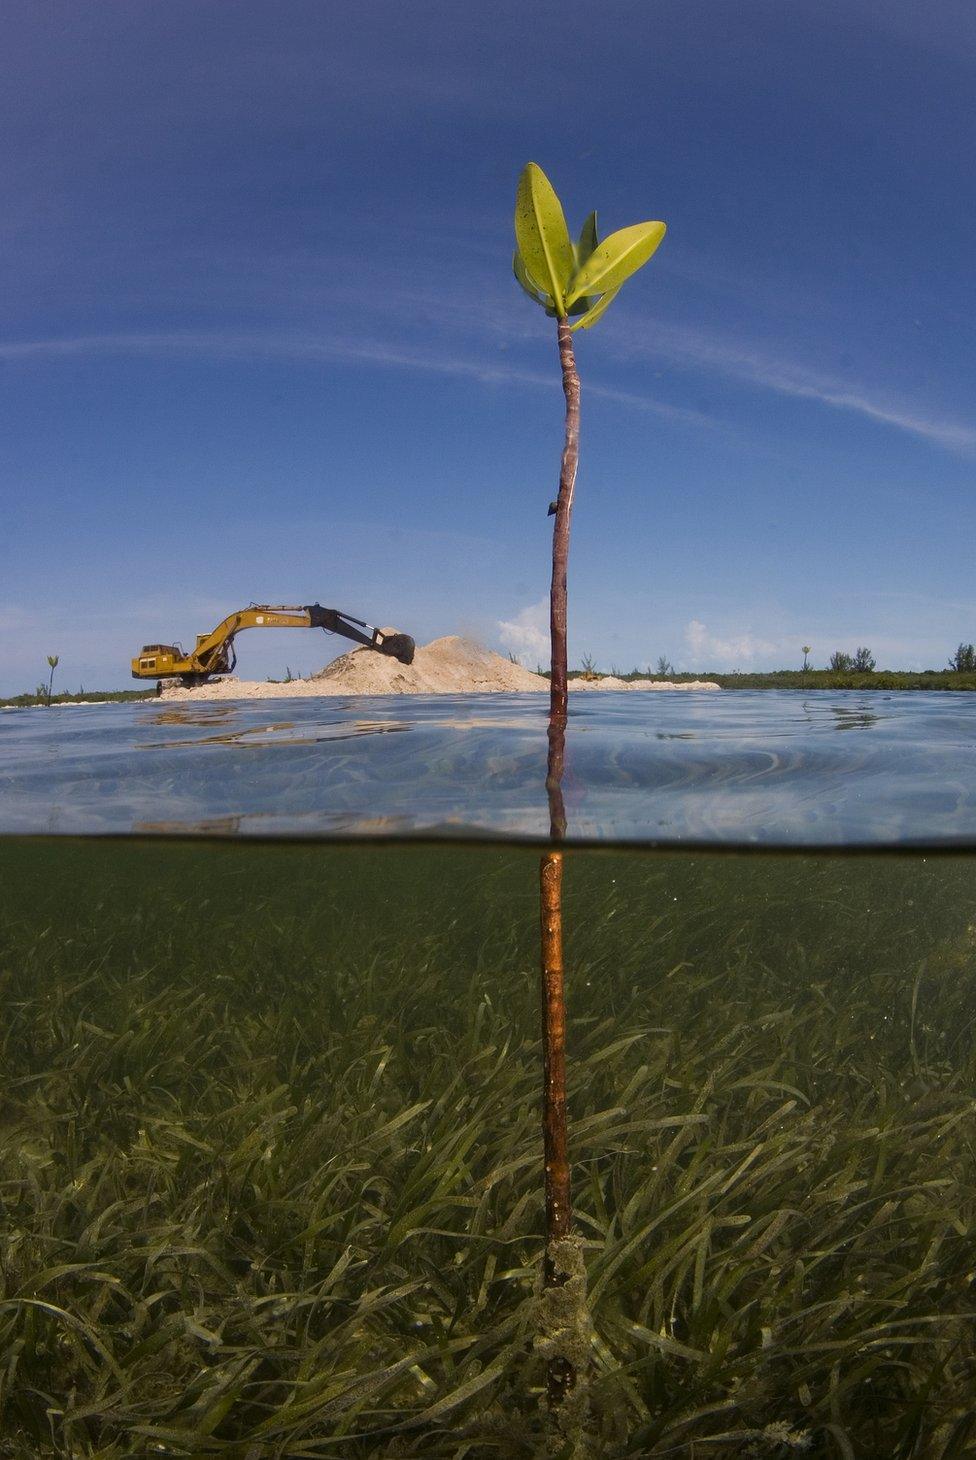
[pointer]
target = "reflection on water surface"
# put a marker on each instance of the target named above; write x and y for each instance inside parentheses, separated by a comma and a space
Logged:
(739, 766)
(854, 718)
(271, 734)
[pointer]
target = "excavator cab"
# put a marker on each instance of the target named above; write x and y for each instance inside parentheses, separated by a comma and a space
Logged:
(156, 660)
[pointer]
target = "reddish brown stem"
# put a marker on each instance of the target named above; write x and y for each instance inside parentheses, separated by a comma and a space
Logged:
(561, 1375)
(559, 1212)
(561, 526)
(558, 1209)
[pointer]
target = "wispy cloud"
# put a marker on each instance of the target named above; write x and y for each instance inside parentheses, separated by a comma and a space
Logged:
(626, 339)
(259, 345)
(791, 378)
(652, 341)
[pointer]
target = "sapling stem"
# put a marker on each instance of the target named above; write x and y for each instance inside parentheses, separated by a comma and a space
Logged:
(561, 1377)
(561, 526)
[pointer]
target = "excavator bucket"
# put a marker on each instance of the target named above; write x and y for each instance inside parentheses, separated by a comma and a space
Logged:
(398, 646)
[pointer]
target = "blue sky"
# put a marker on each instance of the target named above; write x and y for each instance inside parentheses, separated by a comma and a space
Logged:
(259, 338)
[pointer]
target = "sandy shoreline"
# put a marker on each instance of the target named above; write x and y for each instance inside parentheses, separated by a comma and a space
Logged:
(447, 666)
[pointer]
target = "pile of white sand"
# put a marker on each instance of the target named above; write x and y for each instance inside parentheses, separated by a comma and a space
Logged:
(449, 666)
(610, 681)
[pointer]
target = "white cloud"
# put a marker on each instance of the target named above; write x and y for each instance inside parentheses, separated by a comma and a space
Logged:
(710, 650)
(929, 647)
(527, 634)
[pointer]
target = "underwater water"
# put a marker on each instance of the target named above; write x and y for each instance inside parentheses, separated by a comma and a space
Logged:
(270, 1176)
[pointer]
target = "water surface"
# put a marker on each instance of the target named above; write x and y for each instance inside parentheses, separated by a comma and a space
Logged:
(774, 767)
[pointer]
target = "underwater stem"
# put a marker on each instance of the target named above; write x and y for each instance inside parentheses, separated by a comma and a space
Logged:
(559, 1213)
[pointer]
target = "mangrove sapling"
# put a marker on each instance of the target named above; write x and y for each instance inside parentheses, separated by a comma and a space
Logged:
(575, 281)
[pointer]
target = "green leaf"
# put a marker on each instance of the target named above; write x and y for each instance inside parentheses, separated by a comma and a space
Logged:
(542, 236)
(587, 243)
(521, 274)
(595, 310)
(616, 258)
(587, 239)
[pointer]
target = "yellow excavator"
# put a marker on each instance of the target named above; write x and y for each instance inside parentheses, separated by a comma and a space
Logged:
(214, 652)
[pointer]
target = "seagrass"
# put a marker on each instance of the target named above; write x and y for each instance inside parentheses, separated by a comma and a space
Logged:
(269, 1176)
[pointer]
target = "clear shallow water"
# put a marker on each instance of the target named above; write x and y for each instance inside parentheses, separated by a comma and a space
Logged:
(772, 767)
(271, 1170)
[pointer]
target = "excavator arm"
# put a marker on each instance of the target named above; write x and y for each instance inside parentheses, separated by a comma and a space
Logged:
(399, 646)
(214, 652)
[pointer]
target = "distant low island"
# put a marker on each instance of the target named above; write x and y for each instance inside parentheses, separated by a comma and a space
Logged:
(817, 678)
(877, 679)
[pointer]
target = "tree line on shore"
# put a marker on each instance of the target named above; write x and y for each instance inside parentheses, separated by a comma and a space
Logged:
(840, 665)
